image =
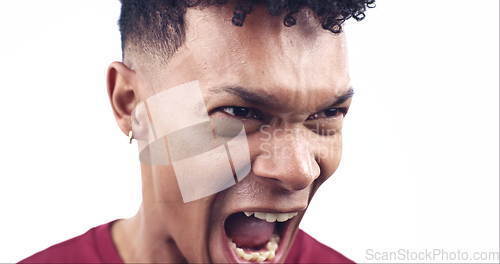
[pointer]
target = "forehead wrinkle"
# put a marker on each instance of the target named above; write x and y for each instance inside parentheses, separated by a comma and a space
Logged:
(252, 96)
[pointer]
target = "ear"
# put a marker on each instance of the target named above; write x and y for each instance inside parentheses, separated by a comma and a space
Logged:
(122, 84)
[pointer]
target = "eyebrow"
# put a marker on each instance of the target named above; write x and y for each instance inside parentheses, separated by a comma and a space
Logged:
(269, 100)
(344, 97)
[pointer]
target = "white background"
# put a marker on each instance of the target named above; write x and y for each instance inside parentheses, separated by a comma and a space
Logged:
(420, 163)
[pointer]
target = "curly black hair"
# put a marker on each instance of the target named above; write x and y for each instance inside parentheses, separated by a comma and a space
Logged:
(158, 25)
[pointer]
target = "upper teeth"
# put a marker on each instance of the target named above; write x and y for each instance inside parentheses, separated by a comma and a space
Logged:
(272, 217)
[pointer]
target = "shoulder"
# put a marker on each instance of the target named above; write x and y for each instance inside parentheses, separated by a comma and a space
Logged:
(95, 245)
(306, 249)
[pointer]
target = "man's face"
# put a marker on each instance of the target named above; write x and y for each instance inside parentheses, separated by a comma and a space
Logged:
(282, 83)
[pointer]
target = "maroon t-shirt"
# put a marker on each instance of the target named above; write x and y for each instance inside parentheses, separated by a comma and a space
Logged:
(96, 246)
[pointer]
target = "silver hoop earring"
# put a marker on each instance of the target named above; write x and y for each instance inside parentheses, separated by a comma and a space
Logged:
(130, 136)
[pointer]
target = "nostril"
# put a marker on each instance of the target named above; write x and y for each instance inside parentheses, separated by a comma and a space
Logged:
(299, 184)
(292, 174)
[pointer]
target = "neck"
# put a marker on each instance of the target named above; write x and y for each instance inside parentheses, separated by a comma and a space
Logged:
(141, 240)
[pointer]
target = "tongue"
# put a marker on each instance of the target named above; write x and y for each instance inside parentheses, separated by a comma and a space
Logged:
(248, 232)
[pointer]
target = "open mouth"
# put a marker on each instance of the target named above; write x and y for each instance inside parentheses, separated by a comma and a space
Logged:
(255, 236)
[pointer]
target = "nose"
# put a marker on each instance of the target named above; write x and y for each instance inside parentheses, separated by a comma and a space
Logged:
(287, 160)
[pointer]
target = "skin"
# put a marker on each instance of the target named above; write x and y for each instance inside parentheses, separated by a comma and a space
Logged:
(303, 68)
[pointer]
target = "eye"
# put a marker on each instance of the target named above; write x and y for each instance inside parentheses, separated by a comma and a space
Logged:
(329, 113)
(241, 112)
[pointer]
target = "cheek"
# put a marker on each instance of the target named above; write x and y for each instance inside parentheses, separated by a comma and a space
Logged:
(328, 160)
(329, 155)
(161, 184)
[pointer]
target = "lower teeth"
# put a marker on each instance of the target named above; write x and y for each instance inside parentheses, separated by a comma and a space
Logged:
(260, 256)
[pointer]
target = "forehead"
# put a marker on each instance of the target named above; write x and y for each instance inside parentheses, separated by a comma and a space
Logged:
(263, 54)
